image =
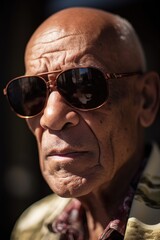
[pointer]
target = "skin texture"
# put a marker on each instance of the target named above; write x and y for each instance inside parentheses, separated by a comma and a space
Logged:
(92, 155)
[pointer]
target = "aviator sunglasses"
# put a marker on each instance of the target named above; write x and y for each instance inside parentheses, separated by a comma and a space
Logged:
(83, 88)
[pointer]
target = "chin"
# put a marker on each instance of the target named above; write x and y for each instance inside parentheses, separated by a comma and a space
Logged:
(66, 191)
(72, 186)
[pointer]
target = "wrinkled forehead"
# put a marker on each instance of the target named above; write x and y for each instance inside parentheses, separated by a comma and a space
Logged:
(61, 36)
(68, 44)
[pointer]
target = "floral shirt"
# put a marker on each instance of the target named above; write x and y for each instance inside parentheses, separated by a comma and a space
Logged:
(71, 223)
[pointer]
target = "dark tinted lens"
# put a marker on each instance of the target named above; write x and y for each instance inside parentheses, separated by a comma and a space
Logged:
(27, 95)
(83, 88)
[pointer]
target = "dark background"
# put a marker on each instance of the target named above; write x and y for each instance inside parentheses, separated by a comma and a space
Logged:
(21, 181)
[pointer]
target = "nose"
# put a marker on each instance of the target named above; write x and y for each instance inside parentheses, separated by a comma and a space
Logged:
(57, 114)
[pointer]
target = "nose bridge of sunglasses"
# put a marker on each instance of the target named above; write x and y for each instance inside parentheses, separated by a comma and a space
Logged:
(51, 81)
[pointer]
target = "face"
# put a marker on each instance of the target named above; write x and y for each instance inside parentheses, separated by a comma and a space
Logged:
(81, 152)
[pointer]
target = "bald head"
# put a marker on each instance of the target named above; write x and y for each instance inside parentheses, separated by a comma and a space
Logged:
(80, 32)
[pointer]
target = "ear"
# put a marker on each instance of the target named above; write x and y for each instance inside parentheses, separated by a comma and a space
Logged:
(150, 98)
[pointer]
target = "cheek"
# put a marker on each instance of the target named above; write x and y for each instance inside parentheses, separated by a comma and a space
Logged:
(103, 130)
(35, 128)
(117, 139)
(33, 124)
(37, 131)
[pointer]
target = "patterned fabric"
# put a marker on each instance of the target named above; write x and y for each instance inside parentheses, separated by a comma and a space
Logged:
(71, 223)
(144, 218)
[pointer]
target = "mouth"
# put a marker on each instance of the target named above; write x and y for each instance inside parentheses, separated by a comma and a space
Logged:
(71, 160)
(66, 154)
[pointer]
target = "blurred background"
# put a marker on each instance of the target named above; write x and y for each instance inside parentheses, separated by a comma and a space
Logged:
(21, 181)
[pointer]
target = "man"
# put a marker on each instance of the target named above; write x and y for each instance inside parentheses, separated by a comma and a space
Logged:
(87, 98)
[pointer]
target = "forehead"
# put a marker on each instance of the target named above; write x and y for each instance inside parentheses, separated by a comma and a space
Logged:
(53, 48)
(54, 41)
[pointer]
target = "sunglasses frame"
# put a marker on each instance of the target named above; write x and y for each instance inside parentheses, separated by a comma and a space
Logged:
(52, 87)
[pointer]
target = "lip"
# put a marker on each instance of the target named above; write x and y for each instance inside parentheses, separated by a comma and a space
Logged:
(63, 154)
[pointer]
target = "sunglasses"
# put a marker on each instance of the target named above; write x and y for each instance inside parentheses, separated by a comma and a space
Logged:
(83, 88)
